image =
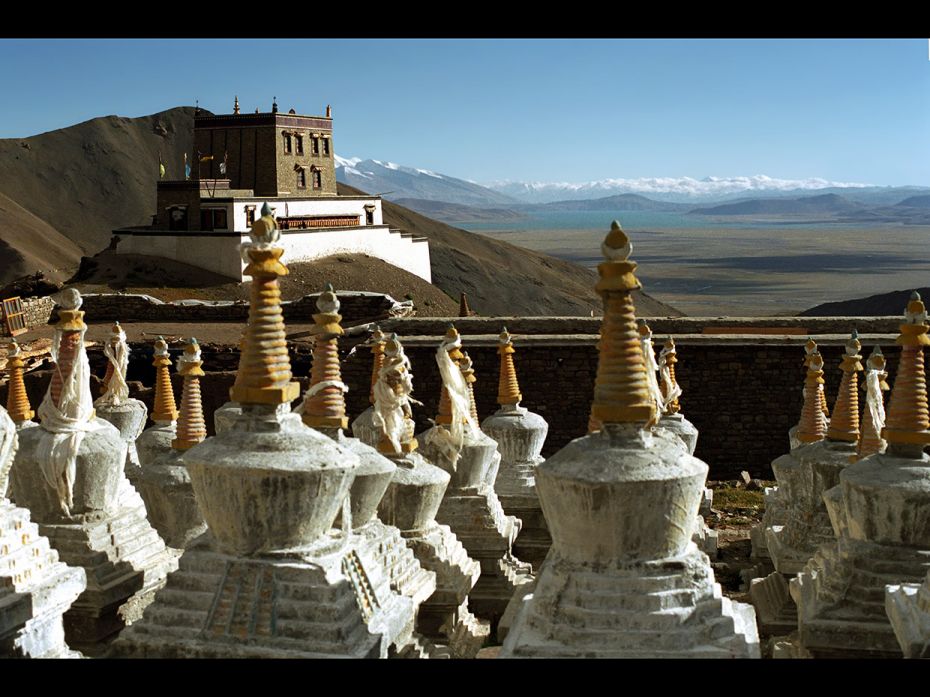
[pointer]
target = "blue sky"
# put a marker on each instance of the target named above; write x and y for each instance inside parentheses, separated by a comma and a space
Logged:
(541, 110)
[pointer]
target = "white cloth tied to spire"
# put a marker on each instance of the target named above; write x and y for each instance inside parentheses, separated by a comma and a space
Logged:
(313, 390)
(450, 441)
(392, 404)
(873, 399)
(672, 390)
(64, 425)
(655, 393)
(117, 390)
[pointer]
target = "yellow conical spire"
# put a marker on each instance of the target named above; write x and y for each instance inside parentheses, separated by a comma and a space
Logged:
(508, 389)
(621, 392)
(844, 426)
(469, 372)
(445, 405)
(813, 425)
(264, 375)
(192, 428)
(325, 405)
(165, 409)
(908, 420)
(870, 441)
(671, 358)
(17, 401)
(236, 105)
(809, 348)
(377, 355)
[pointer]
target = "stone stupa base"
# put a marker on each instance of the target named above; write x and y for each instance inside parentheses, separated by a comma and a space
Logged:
(669, 608)
(35, 590)
(776, 612)
(533, 542)
(444, 618)
(328, 600)
(477, 518)
(165, 486)
(841, 597)
(126, 563)
(682, 428)
(363, 428)
(908, 609)
(807, 523)
(129, 418)
(226, 416)
(155, 442)
(774, 514)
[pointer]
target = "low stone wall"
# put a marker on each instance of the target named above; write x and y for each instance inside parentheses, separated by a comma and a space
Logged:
(742, 391)
(356, 307)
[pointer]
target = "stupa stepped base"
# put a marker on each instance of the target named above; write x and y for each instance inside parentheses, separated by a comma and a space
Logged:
(328, 600)
(790, 548)
(774, 514)
(421, 647)
(704, 537)
(363, 428)
(658, 609)
(154, 442)
(517, 478)
(444, 618)
(776, 612)
(533, 542)
(225, 417)
(841, 597)
(35, 590)
(477, 518)
(404, 572)
(908, 609)
(165, 487)
(125, 561)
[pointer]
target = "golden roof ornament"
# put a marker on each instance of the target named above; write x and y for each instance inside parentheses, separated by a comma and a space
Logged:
(621, 391)
(236, 105)
(908, 423)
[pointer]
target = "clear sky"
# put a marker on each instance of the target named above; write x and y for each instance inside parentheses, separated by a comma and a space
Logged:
(540, 110)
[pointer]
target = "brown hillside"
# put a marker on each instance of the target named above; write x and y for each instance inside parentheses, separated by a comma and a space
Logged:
(89, 178)
(29, 244)
(503, 279)
(170, 280)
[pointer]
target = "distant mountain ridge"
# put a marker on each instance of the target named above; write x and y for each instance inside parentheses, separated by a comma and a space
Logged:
(808, 205)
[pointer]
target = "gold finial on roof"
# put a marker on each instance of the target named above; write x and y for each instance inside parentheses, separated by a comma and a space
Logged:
(236, 105)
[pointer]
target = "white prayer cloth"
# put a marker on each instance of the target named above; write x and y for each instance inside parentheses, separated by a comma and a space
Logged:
(672, 390)
(390, 407)
(450, 441)
(117, 390)
(317, 388)
(873, 398)
(64, 426)
(652, 381)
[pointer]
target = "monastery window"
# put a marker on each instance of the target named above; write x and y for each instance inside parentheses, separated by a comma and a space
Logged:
(326, 147)
(301, 179)
(314, 145)
(369, 215)
(249, 216)
(317, 179)
(287, 143)
(299, 144)
(177, 218)
(213, 219)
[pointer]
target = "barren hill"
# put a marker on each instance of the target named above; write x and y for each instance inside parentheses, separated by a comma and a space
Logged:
(29, 244)
(81, 182)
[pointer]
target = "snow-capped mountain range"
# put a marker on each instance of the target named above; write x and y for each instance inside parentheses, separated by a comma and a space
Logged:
(395, 181)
